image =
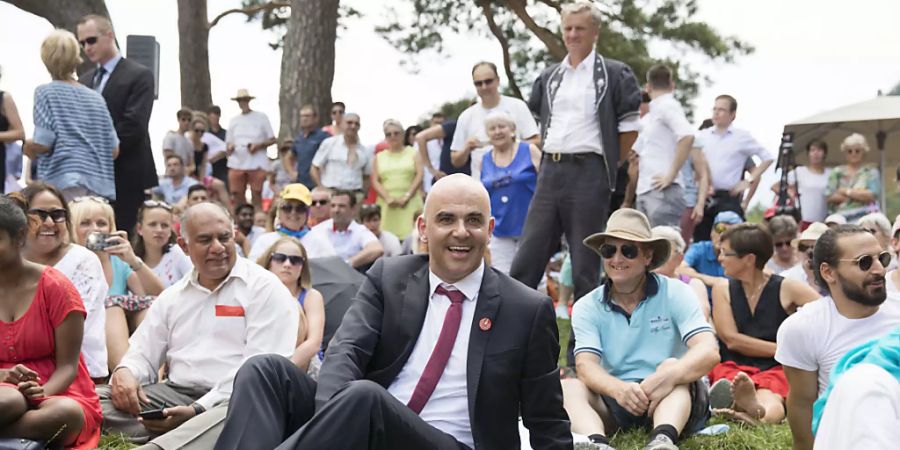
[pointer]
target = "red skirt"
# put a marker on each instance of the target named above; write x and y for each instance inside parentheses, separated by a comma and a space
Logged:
(772, 379)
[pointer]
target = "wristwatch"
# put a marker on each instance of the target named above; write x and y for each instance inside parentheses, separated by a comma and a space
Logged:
(198, 408)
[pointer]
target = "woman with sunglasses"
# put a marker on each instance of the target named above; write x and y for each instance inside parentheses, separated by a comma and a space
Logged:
(154, 243)
(749, 385)
(287, 259)
(46, 392)
(783, 230)
(804, 246)
(74, 142)
(132, 285)
(396, 177)
(853, 188)
(292, 213)
(51, 244)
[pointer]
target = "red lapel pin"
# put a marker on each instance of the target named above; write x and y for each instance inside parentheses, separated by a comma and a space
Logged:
(485, 324)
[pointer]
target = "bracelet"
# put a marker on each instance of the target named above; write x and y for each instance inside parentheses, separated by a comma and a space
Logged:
(137, 266)
(198, 408)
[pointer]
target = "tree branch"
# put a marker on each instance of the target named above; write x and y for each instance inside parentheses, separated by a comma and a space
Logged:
(504, 44)
(551, 40)
(250, 10)
(552, 4)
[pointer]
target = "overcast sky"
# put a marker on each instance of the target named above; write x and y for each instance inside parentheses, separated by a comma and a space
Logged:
(811, 56)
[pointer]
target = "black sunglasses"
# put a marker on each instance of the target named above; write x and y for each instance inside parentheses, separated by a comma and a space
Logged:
(480, 83)
(865, 262)
(629, 251)
(88, 41)
(288, 208)
(295, 260)
(57, 215)
(782, 244)
(319, 202)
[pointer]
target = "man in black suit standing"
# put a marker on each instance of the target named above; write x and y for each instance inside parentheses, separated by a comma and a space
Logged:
(127, 87)
(438, 351)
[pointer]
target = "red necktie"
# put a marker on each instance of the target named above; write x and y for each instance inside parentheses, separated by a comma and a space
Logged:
(441, 353)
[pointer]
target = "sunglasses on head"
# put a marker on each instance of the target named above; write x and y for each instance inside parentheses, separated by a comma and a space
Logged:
(295, 260)
(629, 251)
(88, 41)
(480, 83)
(157, 204)
(288, 208)
(56, 215)
(91, 198)
(865, 262)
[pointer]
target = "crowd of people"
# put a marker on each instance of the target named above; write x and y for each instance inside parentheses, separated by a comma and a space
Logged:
(181, 310)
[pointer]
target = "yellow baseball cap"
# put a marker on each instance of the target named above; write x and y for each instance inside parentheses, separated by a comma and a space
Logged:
(297, 191)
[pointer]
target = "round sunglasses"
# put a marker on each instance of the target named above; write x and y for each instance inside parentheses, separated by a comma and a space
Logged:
(865, 262)
(629, 251)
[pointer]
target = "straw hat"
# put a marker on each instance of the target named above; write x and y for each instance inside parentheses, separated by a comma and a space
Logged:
(243, 94)
(631, 225)
(812, 233)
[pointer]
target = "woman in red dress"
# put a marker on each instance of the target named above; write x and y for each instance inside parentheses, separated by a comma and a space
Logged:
(46, 393)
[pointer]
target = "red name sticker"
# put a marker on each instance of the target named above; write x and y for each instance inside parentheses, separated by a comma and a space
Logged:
(229, 311)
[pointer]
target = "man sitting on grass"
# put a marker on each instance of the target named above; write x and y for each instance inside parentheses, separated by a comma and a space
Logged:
(642, 344)
(850, 264)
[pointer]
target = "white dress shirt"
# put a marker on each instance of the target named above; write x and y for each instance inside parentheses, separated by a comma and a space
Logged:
(347, 243)
(108, 67)
(661, 129)
(574, 127)
(334, 170)
(316, 246)
(727, 153)
(448, 407)
(204, 336)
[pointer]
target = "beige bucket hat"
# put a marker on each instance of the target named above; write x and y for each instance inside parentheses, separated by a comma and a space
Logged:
(631, 225)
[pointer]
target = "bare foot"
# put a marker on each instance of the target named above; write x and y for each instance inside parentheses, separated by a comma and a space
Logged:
(737, 416)
(745, 396)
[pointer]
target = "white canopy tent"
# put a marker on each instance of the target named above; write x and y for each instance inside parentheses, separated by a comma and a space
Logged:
(877, 119)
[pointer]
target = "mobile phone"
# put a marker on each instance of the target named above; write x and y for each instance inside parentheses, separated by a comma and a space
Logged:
(96, 241)
(152, 414)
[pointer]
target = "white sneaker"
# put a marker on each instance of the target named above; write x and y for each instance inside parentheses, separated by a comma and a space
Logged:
(592, 446)
(661, 442)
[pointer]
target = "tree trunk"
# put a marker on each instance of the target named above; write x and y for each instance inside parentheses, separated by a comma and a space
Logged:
(193, 54)
(64, 14)
(307, 62)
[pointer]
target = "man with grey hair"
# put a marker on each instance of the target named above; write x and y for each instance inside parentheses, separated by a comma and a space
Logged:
(203, 327)
(584, 141)
(342, 162)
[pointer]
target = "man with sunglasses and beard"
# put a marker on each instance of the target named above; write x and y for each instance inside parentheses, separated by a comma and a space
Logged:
(641, 343)
(849, 263)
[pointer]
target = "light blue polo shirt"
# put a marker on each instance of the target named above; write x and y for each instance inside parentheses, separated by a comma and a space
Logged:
(630, 347)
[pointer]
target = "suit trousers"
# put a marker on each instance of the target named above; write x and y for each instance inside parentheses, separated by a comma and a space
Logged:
(720, 201)
(572, 198)
(273, 406)
(128, 200)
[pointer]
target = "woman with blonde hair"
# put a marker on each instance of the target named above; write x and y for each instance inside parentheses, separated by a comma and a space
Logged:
(287, 259)
(74, 140)
(853, 188)
(396, 177)
(132, 284)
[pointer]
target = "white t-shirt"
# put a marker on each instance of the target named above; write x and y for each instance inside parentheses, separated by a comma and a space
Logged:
(173, 265)
(661, 129)
(180, 145)
(817, 336)
(316, 246)
(82, 267)
(346, 244)
(796, 273)
(811, 187)
(391, 243)
(471, 124)
(243, 130)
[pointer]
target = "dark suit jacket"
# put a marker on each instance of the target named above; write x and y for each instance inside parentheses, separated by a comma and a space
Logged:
(621, 100)
(512, 367)
(129, 98)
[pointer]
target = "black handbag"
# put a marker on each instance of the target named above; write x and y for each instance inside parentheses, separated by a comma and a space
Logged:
(20, 444)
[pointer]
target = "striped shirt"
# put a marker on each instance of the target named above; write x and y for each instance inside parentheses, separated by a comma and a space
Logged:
(73, 121)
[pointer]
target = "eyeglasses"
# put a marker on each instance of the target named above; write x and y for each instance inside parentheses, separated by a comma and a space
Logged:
(480, 83)
(727, 254)
(157, 204)
(295, 260)
(319, 202)
(392, 133)
(720, 227)
(783, 244)
(629, 251)
(865, 262)
(88, 41)
(57, 215)
(288, 208)
(803, 248)
(92, 198)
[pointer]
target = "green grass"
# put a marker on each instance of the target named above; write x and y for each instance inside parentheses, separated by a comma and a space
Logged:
(115, 442)
(739, 437)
